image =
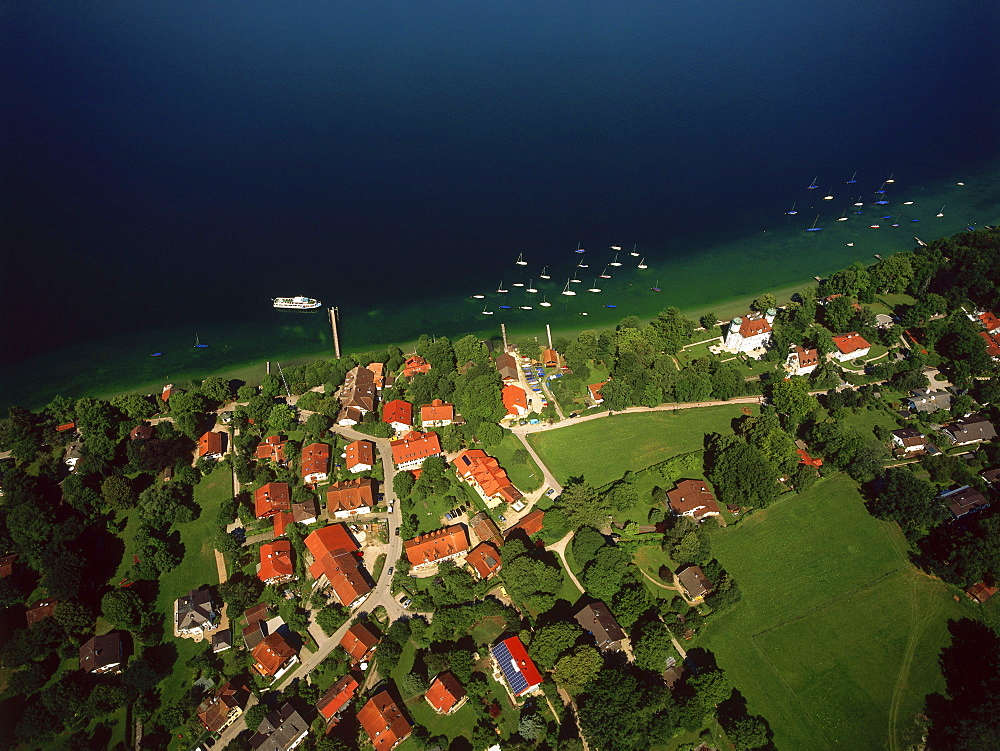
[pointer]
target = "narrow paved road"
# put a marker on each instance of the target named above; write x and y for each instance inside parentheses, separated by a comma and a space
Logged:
(559, 548)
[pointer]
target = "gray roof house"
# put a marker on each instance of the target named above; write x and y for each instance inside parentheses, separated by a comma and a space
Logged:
(195, 612)
(923, 400)
(281, 730)
(597, 619)
(964, 500)
(694, 582)
(973, 429)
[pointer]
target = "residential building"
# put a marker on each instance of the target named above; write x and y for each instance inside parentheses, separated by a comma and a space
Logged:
(437, 414)
(511, 660)
(399, 415)
(597, 620)
(210, 445)
(749, 333)
(282, 730)
(269, 499)
(359, 642)
(103, 654)
(439, 545)
(358, 395)
(333, 551)
(988, 320)
(550, 358)
(273, 656)
(281, 520)
(222, 640)
(967, 430)
(485, 529)
(992, 344)
(596, 397)
(415, 364)
(195, 612)
(276, 562)
(7, 565)
(351, 497)
(964, 500)
(359, 456)
(802, 361)
(141, 432)
(384, 721)
(306, 512)
(73, 456)
(484, 473)
(850, 346)
(220, 709)
(530, 524)
(272, 448)
(515, 400)
(980, 592)
(485, 560)
(694, 583)
(692, 498)
(40, 610)
(315, 463)
(382, 381)
(333, 702)
(446, 694)
(908, 440)
(922, 400)
(506, 365)
(410, 451)
(992, 477)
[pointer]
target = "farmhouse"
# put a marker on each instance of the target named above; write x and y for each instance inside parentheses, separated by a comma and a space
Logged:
(359, 456)
(980, 592)
(332, 549)
(350, 497)
(384, 721)
(485, 529)
(692, 498)
(439, 545)
(530, 524)
(315, 463)
(596, 397)
(515, 400)
(695, 584)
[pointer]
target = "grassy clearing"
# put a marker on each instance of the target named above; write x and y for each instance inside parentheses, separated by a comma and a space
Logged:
(836, 638)
(601, 450)
(865, 419)
(525, 475)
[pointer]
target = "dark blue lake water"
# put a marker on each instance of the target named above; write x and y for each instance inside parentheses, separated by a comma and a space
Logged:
(170, 167)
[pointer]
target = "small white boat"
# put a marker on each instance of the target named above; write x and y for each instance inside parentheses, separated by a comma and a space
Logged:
(941, 212)
(829, 195)
(605, 274)
(574, 280)
(500, 288)
(792, 211)
(545, 303)
(487, 312)
(907, 203)
(520, 260)
(642, 264)
(582, 265)
(567, 290)
(530, 288)
(525, 307)
(843, 217)
(850, 245)
(478, 297)
(615, 262)
(890, 180)
(595, 288)
(518, 284)
(295, 303)
(545, 273)
(634, 253)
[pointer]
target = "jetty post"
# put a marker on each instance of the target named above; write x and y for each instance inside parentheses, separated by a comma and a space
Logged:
(334, 314)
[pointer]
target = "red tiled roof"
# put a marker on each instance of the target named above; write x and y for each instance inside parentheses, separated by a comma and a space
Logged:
(272, 654)
(384, 722)
(485, 559)
(415, 445)
(315, 459)
(436, 545)
(486, 472)
(850, 342)
(337, 697)
(981, 592)
(415, 364)
(807, 357)
(804, 458)
(70, 426)
(550, 357)
(531, 524)
(139, 432)
(271, 498)
(514, 397)
(272, 447)
(275, 561)
(522, 662)
(332, 549)
(350, 495)
(280, 522)
(989, 320)
(992, 343)
(437, 411)
(398, 411)
(595, 391)
(444, 693)
(359, 452)
(359, 641)
(210, 443)
(752, 325)
(692, 495)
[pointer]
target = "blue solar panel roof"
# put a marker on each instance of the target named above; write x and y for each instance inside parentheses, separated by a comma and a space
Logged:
(510, 670)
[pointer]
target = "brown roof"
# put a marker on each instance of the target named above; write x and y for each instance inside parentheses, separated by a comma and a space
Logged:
(964, 501)
(981, 592)
(807, 357)
(305, 512)
(210, 443)
(337, 697)
(359, 452)
(141, 432)
(692, 497)
(384, 721)
(436, 545)
(597, 619)
(970, 429)
(101, 652)
(7, 565)
(990, 475)
(272, 447)
(315, 459)
(444, 693)
(694, 582)
(359, 390)
(359, 641)
(531, 524)
(550, 357)
(486, 530)
(271, 498)
(272, 654)
(215, 711)
(485, 559)
(754, 324)
(507, 366)
(39, 610)
(350, 495)
(910, 438)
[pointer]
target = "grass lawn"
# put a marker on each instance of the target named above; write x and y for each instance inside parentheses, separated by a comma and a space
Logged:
(837, 636)
(526, 476)
(601, 450)
(865, 419)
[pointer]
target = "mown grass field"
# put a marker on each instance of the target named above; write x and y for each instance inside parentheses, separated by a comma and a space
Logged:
(525, 475)
(836, 639)
(601, 450)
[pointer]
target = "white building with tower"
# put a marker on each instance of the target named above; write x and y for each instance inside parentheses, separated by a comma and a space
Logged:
(749, 333)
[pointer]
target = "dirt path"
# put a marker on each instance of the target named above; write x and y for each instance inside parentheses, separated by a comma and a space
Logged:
(559, 548)
(659, 583)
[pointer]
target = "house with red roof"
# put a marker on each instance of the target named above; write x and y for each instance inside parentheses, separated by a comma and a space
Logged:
(359, 456)
(167, 391)
(531, 524)
(70, 425)
(596, 397)
(802, 361)
(359, 642)
(269, 499)
(210, 445)
(410, 451)
(272, 448)
(485, 474)
(273, 656)
(415, 364)
(315, 463)
(980, 593)
(439, 545)
(276, 562)
(399, 415)
(141, 432)
(992, 344)
(437, 414)
(749, 333)
(384, 721)
(510, 659)
(850, 346)
(332, 703)
(988, 320)
(446, 694)
(280, 522)
(692, 498)
(484, 560)
(515, 399)
(40, 610)
(333, 551)
(351, 497)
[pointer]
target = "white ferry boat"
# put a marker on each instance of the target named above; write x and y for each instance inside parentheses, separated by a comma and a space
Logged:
(296, 303)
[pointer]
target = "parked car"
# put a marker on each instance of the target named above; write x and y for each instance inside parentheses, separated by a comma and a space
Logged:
(397, 531)
(502, 518)
(390, 570)
(550, 491)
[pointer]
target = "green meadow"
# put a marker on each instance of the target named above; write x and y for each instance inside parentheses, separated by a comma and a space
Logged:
(837, 636)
